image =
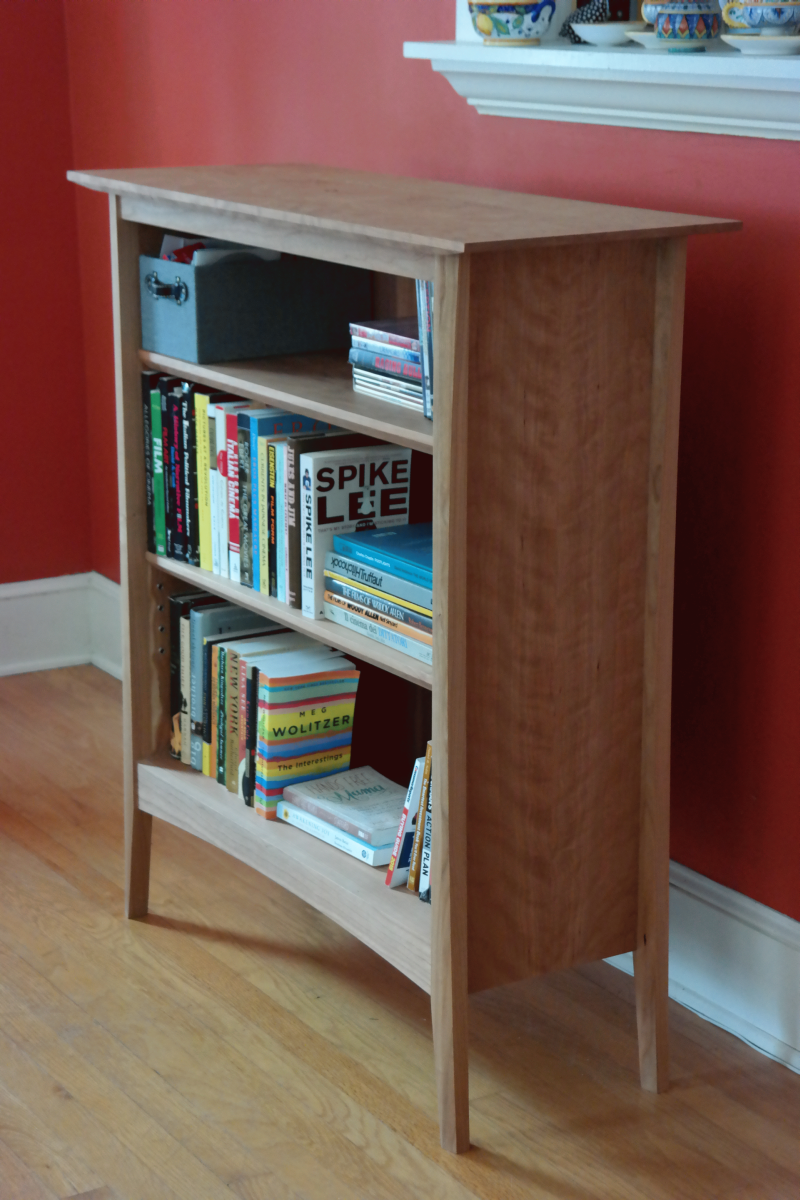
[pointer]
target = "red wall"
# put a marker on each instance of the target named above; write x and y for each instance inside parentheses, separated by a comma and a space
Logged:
(44, 494)
(173, 81)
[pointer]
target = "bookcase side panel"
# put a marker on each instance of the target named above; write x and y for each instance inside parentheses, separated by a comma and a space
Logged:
(560, 380)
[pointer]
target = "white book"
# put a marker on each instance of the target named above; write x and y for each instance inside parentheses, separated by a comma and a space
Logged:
(421, 651)
(213, 479)
(219, 412)
(400, 862)
(373, 856)
(425, 857)
(341, 491)
(362, 802)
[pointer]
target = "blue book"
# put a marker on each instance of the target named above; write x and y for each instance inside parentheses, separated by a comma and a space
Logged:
(268, 422)
(404, 550)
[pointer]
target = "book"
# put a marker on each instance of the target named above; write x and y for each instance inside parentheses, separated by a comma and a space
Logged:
(375, 347)
(388, 637)
(232, 474)
(181, 604)
(425, 854)
(306, 702)
(218, 411)
(385, 364)
(425, 322)
(373, 856)
(216, 649)
(185, 678)
(344, 490)
(406, 552)
(341, 589)
(272, 514)
(387, 385)
(416, 847)
(379, 618)
(176, 493)
(396, 331)
(379, 582)
(165, 386)
(159, 511)
(149, 378)
(263, 515)
(366, 388)
(280, 517)
(401, 851)
(362, 803)
(203, 468)
(189, 473)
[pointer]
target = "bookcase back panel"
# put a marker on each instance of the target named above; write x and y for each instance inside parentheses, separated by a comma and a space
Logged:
(560, 382)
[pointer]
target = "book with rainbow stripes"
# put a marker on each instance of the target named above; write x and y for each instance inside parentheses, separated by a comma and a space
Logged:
(306, 703)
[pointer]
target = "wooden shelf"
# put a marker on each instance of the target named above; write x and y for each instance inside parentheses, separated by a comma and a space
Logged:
(314, 385)
(324, 631)
(392, 922)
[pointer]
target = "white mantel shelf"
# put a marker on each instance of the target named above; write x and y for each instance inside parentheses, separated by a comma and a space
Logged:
(719, 91)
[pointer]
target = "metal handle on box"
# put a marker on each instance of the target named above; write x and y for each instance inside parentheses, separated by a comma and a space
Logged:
(177, 291)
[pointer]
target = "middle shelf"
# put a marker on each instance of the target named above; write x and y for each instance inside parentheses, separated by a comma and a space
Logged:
(392, 922)
(324, 631)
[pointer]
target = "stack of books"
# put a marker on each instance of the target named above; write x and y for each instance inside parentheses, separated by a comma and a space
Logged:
(393, 360)
(254, 705)
(380, 582)
(356, 811)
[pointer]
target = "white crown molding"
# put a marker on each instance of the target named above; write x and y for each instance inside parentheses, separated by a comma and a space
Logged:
(60, 622)
(718, 91)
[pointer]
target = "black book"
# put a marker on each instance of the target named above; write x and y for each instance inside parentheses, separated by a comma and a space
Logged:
(165, 385)
(251, 738)
(176, 496)
(189, 473)
(272, 507)
(149, 380)
(222, 714)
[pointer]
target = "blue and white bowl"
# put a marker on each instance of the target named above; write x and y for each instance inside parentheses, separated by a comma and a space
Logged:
(512, 24)
(769, 20)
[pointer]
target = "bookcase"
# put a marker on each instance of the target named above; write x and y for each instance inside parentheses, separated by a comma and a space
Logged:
(554, 445)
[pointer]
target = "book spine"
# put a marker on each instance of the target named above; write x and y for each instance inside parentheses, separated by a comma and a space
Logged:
(382, 335)
(222, 491)
(207, 708)
(374, 347)
(159, 511)
(196, 649)
(148, 465)
(213, 480)
(176, 477)
(186, 685)
(378, 604)
(222, 716)
(414, 865)
(380, 583)
(244, 701)
(189, 470)
(175, 676)
(213, 704)
(373, 856)
(404, 570)
(280, 517)
(169, 476)
(293, 582)
(232, 720)
(285, 528)
(272, 519)
(255, 511)
(424, 319)
(232, 455)
(380, 619)
(398, 841)
(384, 364)
(263, 522)
(245, 507)
(203, 468)
(307, 530)
(252, 737)
(425, 855)
(414, 649)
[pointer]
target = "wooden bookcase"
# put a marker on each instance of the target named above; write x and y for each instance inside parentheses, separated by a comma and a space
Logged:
(558, 328)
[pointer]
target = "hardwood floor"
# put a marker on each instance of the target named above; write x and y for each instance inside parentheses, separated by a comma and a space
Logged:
(235, 1044)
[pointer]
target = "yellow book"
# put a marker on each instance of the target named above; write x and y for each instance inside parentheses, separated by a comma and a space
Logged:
(203, 481)
(263, 523)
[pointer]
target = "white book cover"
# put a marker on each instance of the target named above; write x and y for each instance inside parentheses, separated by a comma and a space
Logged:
(362, 802)
(343, 490)
(219, 412)
(397, 875)
(421, 651)
(373, 856)
(425, 856)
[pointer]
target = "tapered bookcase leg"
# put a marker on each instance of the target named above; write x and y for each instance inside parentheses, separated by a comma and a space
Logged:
(651, 957)
(449, 842)
(143, 660)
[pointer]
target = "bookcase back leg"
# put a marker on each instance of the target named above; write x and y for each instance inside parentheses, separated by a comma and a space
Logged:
(651, 956)
(449, 840)
(145, 652)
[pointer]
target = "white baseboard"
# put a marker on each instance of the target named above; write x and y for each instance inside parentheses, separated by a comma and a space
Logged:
(735, 962)
(60, 622)
(732, 960)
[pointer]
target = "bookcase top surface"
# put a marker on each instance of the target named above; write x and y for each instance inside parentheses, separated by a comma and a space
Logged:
(445, 218)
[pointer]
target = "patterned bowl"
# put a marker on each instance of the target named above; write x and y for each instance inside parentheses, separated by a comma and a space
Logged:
(687, 22)
(512, 24)
(769, 20)
(649, 11)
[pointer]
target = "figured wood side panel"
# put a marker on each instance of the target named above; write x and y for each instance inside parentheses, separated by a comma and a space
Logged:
(449, 839)
(651, 957)
(560, 374)
(145, 650)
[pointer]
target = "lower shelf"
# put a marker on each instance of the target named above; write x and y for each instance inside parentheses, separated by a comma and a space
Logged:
(392, 922)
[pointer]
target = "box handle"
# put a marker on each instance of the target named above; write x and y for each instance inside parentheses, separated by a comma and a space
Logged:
(177, 291)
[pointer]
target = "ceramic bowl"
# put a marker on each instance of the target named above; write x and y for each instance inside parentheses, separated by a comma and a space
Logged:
(512, 24)
(608, 33)
(767, 19)
(767, 47)
(686, 22)
(649, 11)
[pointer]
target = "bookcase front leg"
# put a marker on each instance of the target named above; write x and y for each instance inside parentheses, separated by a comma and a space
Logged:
(449, 840)
(145, 664)
(651, 957)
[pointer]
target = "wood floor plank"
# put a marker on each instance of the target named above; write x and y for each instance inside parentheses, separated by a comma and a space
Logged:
(57, 1164)
(17, 1182)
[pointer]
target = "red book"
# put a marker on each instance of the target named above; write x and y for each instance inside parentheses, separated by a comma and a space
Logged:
(232, 448)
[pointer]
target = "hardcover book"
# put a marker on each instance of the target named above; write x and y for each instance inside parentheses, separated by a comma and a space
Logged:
(362, 803)
(406, 552)
(382, 583)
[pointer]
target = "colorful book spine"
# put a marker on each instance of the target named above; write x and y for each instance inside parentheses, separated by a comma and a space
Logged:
(374, 347)
(246, 571)
(384, 364)
(232, 461)
(232, 719)
(387, 607)
(390, 337)
(203, 469)
(189, 473)
(373, 856)
(148, 464)
(401, 851)
(176, 494)
(280, 518)
(380, 619)
(272, 519)
(425, 855)
(416, 848)
(388, 637)
(379, 583)
(159, 511)
(220, 416)
(263, 515)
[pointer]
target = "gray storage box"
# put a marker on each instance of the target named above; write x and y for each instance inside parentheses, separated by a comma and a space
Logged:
(245, 307)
